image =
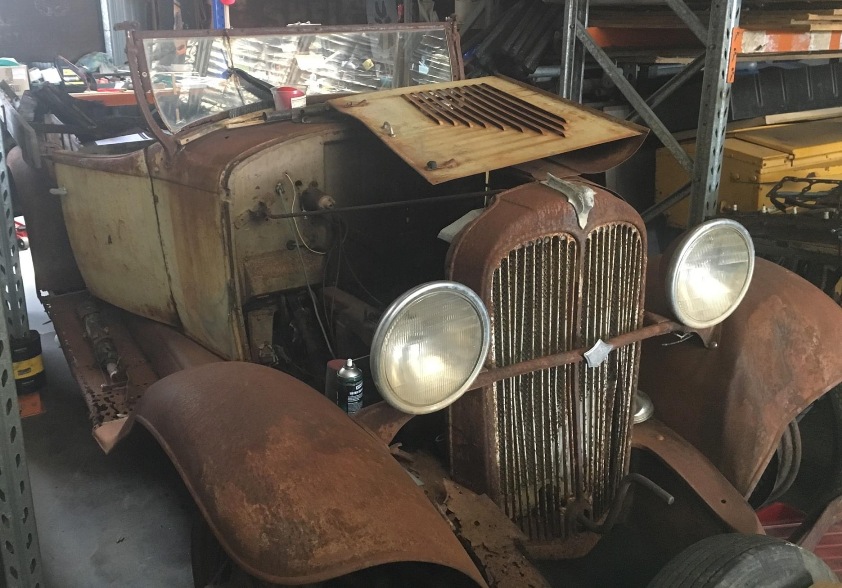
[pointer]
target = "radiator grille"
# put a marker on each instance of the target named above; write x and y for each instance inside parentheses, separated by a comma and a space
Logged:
(563, 434)
(485, 106)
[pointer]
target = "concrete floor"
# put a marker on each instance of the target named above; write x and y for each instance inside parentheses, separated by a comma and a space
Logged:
(116, 520)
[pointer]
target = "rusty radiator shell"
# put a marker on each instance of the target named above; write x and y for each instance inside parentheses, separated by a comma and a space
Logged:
(527, 215)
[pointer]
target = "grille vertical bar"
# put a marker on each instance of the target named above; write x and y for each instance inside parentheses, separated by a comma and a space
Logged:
(562, 434)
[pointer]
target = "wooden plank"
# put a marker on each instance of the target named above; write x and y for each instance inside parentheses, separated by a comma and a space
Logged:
(804, 115)
(816, 26)
(800, 140)
(769, 120)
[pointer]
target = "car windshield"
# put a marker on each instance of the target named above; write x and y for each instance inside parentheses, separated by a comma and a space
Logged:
(196, 77)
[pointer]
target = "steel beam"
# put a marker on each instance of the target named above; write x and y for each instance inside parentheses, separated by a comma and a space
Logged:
(672, 85)
(20, 551)
(713, 111)
(11, 281)
(572, 53)
(635, 99)
(656, 210)
(690, 19)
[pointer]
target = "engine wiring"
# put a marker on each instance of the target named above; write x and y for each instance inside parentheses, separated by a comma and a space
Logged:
(306, 277)
(295, 220)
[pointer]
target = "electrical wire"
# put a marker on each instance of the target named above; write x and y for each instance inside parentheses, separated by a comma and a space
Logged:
(337, 247)
(295, 220)
(230, 62)
(307, 282)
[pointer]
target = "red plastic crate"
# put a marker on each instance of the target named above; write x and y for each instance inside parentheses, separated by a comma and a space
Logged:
(780, 520)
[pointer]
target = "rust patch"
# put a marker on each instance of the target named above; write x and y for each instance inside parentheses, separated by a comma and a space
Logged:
(106, 404)
(382, 420)
(206, 162)
(775, 356)
(708, 482)
(293, 489)
(492, 538)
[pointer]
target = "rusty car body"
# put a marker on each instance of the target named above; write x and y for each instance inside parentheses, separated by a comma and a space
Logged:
(200, 281)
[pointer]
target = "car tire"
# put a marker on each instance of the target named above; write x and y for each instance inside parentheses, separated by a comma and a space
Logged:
(23, 243)
(743, 561)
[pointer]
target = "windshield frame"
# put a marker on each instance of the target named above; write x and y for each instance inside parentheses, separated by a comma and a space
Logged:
(141, 77)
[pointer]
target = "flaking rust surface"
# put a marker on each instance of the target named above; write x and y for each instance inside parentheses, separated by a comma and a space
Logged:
(492, 538)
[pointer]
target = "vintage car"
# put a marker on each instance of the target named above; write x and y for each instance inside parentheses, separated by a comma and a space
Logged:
(544, 402)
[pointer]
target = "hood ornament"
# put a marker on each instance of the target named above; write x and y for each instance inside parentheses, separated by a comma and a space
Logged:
(580, 197)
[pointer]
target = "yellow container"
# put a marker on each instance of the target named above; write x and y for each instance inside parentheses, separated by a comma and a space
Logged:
(755, 160)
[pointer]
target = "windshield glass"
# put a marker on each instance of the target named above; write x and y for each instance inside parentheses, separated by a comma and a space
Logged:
(196, 77)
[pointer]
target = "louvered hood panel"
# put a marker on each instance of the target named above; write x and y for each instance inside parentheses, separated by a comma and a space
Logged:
(457, 129)
(538, 442)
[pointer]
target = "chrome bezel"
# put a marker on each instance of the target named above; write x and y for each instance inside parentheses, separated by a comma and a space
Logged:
(685, 246)
(643, 408)
(394, 312)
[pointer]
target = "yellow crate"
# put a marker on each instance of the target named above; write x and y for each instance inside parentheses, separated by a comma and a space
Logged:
(755, 160)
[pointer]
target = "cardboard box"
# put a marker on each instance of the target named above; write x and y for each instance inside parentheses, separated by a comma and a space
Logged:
(17, 76)
(753, 162)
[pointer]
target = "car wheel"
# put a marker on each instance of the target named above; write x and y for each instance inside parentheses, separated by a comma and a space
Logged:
(743, 561)
(23, 243)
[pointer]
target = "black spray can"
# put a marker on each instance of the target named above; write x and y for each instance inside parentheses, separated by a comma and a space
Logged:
(350, 393)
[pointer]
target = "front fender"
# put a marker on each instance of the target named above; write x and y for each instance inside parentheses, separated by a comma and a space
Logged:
(776, 354)
(294, 490)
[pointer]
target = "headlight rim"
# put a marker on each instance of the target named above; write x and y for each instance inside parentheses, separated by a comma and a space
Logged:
(387, 321)
(682, 250)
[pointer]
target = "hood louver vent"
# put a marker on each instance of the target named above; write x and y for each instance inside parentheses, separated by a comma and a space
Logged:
(454, 130)
(487, 107)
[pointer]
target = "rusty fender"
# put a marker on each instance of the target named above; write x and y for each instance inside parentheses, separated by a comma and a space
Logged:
(294, 490)
(771, 359)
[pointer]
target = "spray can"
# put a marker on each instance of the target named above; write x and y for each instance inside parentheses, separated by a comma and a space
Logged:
(350, 393)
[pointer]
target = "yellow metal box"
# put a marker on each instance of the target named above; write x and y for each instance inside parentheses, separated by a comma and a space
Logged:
(755, 160)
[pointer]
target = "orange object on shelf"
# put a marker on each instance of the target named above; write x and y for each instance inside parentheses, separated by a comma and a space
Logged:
(780, 520)
(752, 42)
(610, 37)
(30, 404)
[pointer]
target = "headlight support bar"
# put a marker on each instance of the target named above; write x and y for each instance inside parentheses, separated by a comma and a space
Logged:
(658, 325)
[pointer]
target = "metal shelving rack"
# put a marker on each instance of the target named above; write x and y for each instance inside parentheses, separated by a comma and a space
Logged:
(717, 62)
(19, 547)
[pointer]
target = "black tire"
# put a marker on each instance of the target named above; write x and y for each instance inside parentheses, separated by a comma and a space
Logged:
(743, 561)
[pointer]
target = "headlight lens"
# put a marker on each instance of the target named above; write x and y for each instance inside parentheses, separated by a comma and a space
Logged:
(710, 272)
(429, 346)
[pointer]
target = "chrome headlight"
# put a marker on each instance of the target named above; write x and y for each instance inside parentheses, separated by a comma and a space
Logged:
(429, 346)
(710, 272)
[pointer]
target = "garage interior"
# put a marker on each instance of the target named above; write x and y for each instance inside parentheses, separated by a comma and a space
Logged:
(734, 111)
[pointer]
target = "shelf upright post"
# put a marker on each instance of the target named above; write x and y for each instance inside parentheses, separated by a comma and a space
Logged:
(19, 548)
(572, 52)
(713, 110)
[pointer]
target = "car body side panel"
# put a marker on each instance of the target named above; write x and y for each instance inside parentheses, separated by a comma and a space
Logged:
(198, 225)
(294, 490)
(109, 211)
(194, 235)
(774, 356)
(265, 263)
